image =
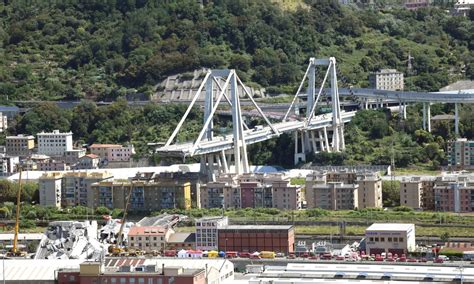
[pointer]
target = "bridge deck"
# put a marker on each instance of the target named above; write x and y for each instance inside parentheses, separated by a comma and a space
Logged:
(226, 142)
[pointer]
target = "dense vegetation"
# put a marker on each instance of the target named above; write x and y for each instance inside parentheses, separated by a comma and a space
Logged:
(106, 49)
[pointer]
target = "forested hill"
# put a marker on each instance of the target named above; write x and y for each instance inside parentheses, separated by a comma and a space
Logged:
(105, 49)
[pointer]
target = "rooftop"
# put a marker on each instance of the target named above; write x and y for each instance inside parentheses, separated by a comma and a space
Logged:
(259, 227)
(105, 146)
(147, 231)
(182, 238)
(390, 227)
(92, 156)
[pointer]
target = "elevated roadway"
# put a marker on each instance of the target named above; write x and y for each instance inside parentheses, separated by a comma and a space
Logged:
(226, 142)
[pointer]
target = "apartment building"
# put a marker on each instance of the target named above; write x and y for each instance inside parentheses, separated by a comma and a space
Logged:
(385, 237)
(417, 193)
(52, 165)
(9, 164)
(207, 231)
(147, 196)
(3, 122)
(54, 143)
(20, 145)
(112, 152)
(250, 238)
(49, 186)
(454, 193)
(89, 161)
(416, 4)
(75, 188)
(461, 154)
(387, 79)
(370, 190)
(251, 191)
(343, 190)
(73, 156)
(148, 238)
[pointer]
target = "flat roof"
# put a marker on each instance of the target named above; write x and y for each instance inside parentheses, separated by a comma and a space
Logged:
(390, 227)
(257, 227)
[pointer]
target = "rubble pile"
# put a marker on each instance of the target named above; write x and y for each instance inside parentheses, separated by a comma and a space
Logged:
(71, 240)
(109, 232)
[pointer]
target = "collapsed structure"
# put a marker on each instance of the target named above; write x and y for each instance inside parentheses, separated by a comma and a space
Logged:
(71, 240)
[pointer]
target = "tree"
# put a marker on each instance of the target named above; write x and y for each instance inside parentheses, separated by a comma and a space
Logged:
(391, 193)
(444, 237)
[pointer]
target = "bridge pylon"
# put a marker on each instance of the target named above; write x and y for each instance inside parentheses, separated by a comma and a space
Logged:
(328, 139)
(232, 160)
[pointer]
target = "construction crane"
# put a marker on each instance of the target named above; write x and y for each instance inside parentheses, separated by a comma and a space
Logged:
(118, 248)
(15, 251)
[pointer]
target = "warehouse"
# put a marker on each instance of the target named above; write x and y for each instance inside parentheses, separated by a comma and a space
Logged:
(395, 238)
(249, 238)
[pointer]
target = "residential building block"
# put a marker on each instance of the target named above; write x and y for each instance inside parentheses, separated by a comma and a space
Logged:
(20, 145)
(387, 79)
(55, 143)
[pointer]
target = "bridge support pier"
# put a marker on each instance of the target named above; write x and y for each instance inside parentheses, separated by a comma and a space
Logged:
(404, 110)
(456, 119)
(427, 116)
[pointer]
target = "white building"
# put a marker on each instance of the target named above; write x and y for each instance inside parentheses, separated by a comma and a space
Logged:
(9, 164)
(3, 122)
(54, 144)
(462, 7)
(390, 237)
(387, 79)
(207, 232)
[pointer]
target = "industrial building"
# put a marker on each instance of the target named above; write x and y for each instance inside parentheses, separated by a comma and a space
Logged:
(207, 232)
(387, 237)
(295, 273)
(118, 270)
(249, 238)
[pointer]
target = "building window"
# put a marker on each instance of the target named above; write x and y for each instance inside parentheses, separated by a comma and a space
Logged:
(376, 239)
(131, 280)
(382, 239)
(123, 280)
(389, 240)
(141, 280)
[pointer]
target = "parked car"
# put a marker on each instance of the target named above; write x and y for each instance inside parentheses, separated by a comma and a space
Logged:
(438, 260)
(340, 257)
(412, 260)
(423, 259)
(378, 257)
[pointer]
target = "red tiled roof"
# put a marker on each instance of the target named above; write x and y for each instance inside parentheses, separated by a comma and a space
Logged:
(147, 231)
(105, 145)
(92, 156)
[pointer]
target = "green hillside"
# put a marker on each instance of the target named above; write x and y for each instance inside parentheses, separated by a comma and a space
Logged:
(103, 50)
